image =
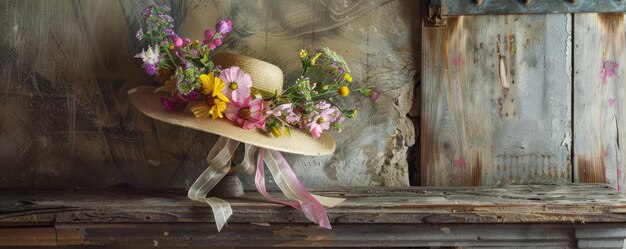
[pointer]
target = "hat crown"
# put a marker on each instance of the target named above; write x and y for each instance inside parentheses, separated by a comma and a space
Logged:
(266, 77)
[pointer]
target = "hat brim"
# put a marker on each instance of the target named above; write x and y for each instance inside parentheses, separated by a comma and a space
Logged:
(149, 103)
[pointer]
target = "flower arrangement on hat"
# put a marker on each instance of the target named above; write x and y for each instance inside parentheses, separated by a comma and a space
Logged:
(194, 82)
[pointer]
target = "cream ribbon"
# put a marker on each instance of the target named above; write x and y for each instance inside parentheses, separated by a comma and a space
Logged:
(219, 160)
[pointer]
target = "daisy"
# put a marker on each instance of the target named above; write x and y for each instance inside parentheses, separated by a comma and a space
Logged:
(238, 83)
(215, 103)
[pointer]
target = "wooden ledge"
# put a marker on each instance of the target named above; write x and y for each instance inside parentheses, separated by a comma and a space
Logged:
(135, 217)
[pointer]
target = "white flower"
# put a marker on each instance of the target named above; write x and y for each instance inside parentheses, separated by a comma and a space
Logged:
(150, 57)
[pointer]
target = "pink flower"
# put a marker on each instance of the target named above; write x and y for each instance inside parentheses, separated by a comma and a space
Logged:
(277, 111)
(238, 84)
(178, 42)
(247, 113)
(320, 123)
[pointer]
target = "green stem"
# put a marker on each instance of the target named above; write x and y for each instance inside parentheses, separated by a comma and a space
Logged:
(167, 51)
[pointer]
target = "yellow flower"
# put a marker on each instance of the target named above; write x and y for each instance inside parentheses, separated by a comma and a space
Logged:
(212, 86)
(348, 77)
(276, 132)
(303, 53)
(315, 59)
(215, 103)
(343, 91)
(213, 107)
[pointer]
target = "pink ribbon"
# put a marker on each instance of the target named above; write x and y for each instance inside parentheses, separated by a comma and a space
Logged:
(287, 181)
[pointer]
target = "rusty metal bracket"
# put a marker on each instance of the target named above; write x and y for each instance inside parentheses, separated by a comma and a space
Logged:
(434, 14)
(512, 7)
(438, 10)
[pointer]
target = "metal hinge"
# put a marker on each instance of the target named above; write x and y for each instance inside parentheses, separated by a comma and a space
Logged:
(434, 16)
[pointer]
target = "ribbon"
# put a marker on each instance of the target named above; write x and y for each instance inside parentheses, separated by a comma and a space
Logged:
(219, 160)
(219, 164)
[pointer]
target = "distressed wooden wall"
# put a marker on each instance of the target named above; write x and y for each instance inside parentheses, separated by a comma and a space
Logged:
(65, 68)
(496, 101)
(599, 92)
(556, 116)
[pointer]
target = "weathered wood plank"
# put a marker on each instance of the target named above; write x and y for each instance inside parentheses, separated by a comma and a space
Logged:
(296, 235)
(522, 215)
(599, 95)
(496, 101)
(518, 204)
(43, 236)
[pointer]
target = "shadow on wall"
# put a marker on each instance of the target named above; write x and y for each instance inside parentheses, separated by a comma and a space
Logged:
(66, 66)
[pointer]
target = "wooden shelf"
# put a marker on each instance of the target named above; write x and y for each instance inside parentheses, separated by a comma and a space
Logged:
(553, 215)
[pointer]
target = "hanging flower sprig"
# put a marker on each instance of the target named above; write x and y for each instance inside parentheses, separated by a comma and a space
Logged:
(313, 97)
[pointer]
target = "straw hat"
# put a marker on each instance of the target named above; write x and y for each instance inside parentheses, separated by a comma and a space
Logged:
(266, 78)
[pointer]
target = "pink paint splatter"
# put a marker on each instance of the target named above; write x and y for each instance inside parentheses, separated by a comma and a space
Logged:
(609, 70)
(458, 61)
(611, 102)
(460, 162)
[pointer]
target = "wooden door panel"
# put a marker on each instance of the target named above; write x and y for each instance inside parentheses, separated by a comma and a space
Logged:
(496, 101)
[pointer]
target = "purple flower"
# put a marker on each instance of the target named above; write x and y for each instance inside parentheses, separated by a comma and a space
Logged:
(139, 34)
(151, 69)
(186, 41)
(292, 117)
(192, 96)
(172, 104)
(148, 11)
(208, 33)
(322, 106)
(217, 42)
(224, 26)
(375, 94)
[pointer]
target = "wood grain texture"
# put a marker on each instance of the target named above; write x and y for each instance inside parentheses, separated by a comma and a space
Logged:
(586, 203)
(599, 92)
(65, 68)
(535, 215)
(496, 101)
